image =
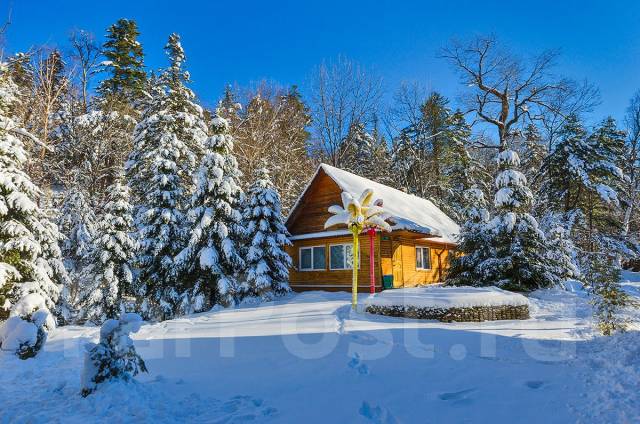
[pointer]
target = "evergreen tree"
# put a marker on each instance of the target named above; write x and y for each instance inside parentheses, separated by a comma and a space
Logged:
(533, 151)
(160, 218)
(603, 280)
(561, 251)
(475, 244)
(115, 357)
(430, 158)
(212, 258)
(460, 170)
(229, 108)
(581, 165)
(267, 263)
(519, 261)
(124, 64)
(109, 276)
(30, 260)
(167, 144)
(173, 113)
(77, 222)
(365, 155)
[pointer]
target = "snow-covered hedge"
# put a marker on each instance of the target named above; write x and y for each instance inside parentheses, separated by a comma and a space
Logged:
(450, 303)
(25, 332)
(115, 357)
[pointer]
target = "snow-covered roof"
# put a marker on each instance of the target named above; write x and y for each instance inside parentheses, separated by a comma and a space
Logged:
(406, 211)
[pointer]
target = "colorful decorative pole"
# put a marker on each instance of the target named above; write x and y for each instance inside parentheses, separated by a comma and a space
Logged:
(357, 214)
(372, 272)
(356, 229)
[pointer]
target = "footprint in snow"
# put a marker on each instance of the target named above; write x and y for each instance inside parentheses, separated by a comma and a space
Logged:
(377, 414)
(457, 397)
(244, 409)
(356, 364)
(534, 384)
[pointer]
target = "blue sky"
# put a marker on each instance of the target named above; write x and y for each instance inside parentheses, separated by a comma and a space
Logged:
(244, 42)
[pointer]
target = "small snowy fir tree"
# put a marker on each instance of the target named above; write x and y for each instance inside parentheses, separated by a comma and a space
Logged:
(520, 261)
(115, 357)
(267, 263)
(609, 300)
(474, 245)
(30, 260)
(109, 275)
(561, 251)
(77, 223)
(25, 332)
(212, 258)
(364, 154)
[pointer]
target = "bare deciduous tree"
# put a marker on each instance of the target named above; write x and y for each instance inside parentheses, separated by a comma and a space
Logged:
(575, 99)
(270, 130)
(343, 94)
(632, 162)
(504, 88)
(86, 55)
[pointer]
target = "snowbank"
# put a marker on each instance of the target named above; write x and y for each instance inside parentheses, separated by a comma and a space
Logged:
(447, 297)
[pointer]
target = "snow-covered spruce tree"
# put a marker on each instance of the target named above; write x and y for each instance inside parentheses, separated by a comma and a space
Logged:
(26, 330)
(210, 262)
(267, 263)
(460, 171)
(608, 298)
(561, 251)
(520, 261)
(77, 222)
(475, 244)
(109, 276)
(364, 154)
(167, 144)
(30, 260)
(115, 357)
(172, 112)
(160, 220)
(582, 169)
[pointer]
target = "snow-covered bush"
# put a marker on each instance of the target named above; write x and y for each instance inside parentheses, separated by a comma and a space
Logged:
(25, 332)
(115, 356)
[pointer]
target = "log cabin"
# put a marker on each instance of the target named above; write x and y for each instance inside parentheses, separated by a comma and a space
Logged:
(416, 251)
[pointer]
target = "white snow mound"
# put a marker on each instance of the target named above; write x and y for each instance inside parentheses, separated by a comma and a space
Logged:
(447, 297)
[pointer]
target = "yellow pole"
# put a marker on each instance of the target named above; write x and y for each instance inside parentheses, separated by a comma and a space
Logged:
(356, 249)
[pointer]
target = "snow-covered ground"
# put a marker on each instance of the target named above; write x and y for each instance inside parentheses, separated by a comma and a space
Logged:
(309, 359)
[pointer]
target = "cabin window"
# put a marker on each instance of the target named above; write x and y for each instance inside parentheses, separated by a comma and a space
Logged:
(341, 256)
(312, 258)
(423, 258)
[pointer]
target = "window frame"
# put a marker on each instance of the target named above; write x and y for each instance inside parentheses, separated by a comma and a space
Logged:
(420, 249)
(345, 257)
(312, 248)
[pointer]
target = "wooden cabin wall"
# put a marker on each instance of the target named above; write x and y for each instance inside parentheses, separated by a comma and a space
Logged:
(404, 257)
(334, 279)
